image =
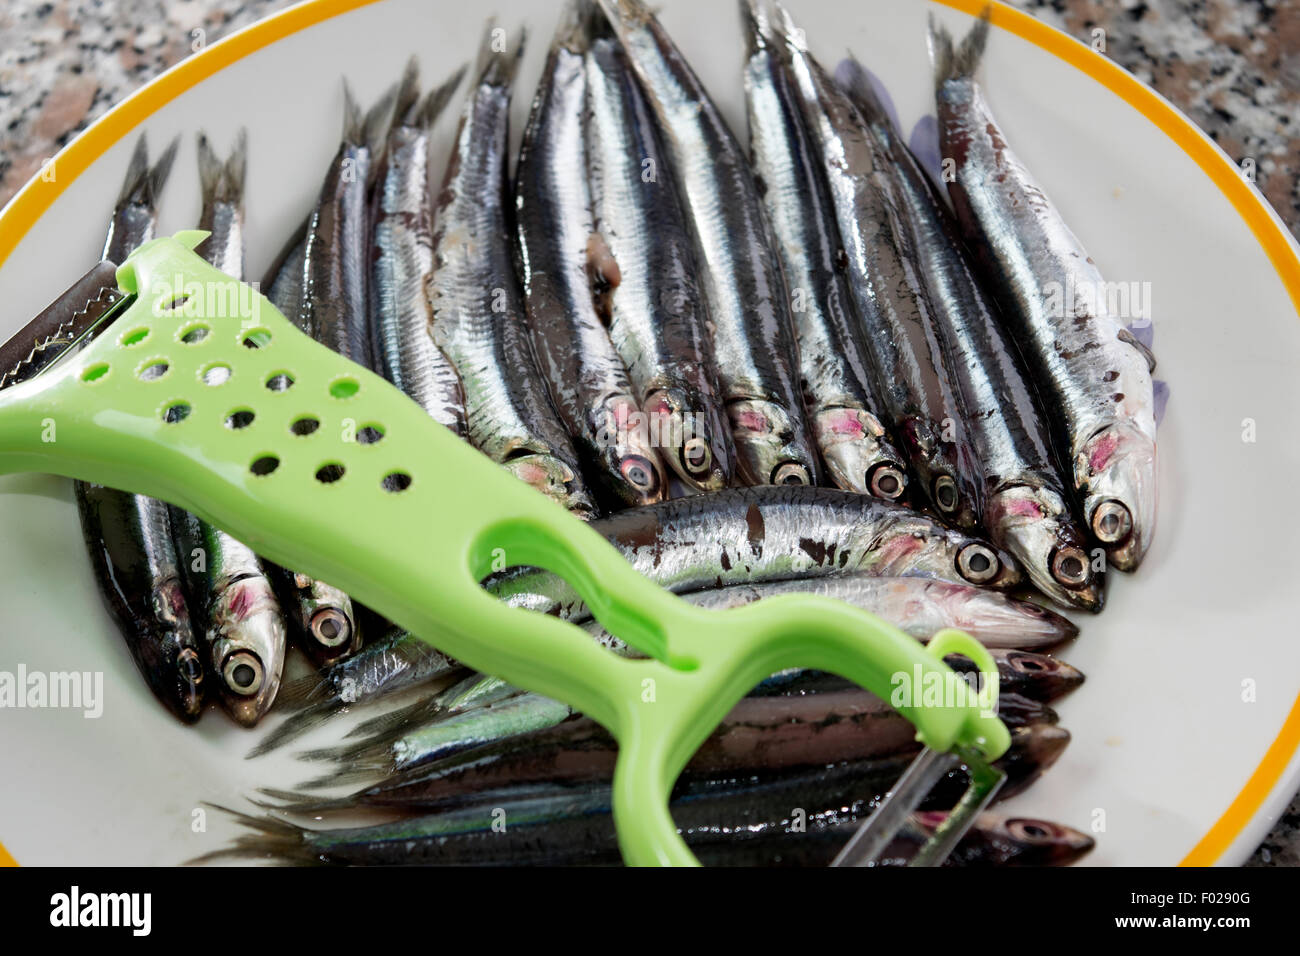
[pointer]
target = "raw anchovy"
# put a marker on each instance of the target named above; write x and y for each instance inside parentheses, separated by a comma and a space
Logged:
(283, 281)
(335, 254)
(402, 261)
(1092, 372)
(749, 535)
(835, 366)
(240, 616)
(128, 537)
(908, 360)
(1026, 508)
(554, 824)
(919, 606)
(646, 285)
(559, 251)
(759, 735)
(478, 313)
(740, 272)
(396, 661)
(135, 566)
(444, 736)
(230, 594)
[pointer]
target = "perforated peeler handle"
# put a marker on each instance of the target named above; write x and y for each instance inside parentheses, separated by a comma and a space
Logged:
(203, 395)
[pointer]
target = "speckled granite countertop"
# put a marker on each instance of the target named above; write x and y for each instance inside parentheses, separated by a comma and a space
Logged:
(1233, 66)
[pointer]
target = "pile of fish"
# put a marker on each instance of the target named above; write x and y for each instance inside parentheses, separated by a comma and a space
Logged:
(809, 367)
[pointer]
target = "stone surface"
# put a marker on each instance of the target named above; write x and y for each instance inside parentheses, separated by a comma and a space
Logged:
(1233, 66)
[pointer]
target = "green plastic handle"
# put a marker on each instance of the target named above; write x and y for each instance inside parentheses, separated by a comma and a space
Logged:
(183, 399)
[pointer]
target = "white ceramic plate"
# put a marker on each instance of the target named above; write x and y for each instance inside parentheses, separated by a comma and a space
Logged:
(1185, 735)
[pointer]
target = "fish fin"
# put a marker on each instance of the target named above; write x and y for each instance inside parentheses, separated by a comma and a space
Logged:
(1129, 338)
(162, 169)
(379, 119)
(408, 94)
(626, 13)
(353, 122)
(571, 32)
(295, 726)
(855, 80)
(301, 691)
(497, 67)
(292, 801)
(437, 99)
(348, 775)
(211, 170)
(961, 62)
(136, 171)
(395, 719)
(786, 30)
(237, 168)
(273, 837)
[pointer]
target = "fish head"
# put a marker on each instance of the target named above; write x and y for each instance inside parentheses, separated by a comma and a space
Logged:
(1017, 841)
(852, 443)
(248, 643)
(689, 441)
(1116, 471)
(1047, 678)
(1034, 749)
(768, 451)
(553, 478)
(171, 660)
(629, 471)
(327, 624)
(1034, 523)
(996, 619)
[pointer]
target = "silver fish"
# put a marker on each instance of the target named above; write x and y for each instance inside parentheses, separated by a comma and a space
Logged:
(402, 261)
(557, 245)
(919, 606)
(335, 267)
(912, 380)
(740, 271)
(835, 366)
(1026, 508)
(1093, 374)
(478, 314)
(230, 593)
(748, 535)
(646, 285)
(128, 537)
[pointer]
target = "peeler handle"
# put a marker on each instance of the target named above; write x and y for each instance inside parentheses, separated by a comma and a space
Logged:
(203, 395)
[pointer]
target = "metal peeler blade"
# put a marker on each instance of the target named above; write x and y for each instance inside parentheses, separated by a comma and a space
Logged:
(865, 847)
(68, 322)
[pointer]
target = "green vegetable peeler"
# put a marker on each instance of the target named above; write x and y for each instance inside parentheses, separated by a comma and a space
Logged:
(172, 380)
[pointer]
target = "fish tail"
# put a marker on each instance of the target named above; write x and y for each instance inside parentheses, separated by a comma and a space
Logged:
(211, 170)
(353, 121)
(162, 168)
(408, 93)
(854, 78)
(572, 33)
(378, 120)
(307, 690)
(396, 719)
(497, 63)
(787, 30)
(347, 775)
(237, 168)
(273, 838)
(291, 801)
(437, 99)
(960, 62)
(626, 13)
(295, 726)
(136, 172)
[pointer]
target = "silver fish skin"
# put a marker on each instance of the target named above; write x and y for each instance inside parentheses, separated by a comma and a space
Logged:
(837, 379)
(749, 535)
(558, 243)
(919, 606)
(657, 317)
(128, 537)
(1092, 374)
(335, 263)
(1026, 507)
(230, 593)
(283, 281)
(739, 269)
(402, 261)
(478, 312)
(910, 375)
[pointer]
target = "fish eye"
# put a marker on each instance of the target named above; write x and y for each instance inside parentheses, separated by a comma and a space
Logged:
(330, 627)
(243, 673)
(639, 473)
(189, 665)
(977, 564)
